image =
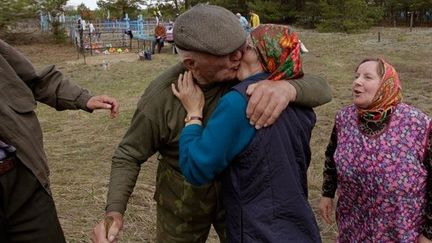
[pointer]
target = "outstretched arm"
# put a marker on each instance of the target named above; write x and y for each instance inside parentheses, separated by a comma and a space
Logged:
(50, 86)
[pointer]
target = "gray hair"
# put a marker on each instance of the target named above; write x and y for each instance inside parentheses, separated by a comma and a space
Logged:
(183, 54)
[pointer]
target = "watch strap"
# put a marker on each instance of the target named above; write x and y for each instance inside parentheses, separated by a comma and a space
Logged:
(192, 118)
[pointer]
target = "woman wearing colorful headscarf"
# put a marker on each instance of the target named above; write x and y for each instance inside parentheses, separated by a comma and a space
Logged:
(263, 172)
(379, 162)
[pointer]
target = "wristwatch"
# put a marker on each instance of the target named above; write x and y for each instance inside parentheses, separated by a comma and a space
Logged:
(191, 118)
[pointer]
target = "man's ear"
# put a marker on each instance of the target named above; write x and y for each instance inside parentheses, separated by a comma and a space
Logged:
(190, 64)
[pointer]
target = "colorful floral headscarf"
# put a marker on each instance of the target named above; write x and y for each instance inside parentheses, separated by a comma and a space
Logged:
(388, 95)
(279, 51)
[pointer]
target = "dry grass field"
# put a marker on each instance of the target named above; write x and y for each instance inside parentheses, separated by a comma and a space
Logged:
(79, 145)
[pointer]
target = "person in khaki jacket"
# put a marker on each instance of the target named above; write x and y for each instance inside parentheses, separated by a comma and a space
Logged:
(27, 210)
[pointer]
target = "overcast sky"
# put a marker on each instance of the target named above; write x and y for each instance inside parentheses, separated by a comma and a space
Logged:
(91, 4)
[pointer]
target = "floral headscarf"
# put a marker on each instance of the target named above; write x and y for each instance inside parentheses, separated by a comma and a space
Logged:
(388, 95)
(279, 51)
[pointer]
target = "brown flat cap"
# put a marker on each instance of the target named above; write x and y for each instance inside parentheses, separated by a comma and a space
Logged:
(209, 29)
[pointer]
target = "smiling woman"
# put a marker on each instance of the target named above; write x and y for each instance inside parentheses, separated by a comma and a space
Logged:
(379, 161)
(366, 83)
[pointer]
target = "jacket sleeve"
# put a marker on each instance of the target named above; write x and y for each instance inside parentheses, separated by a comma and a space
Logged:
(207, 151)
(139, 143)
(52, 88)
(312, 91)
(146, 134)
(329, 172)
(48, 86)
(427, 226)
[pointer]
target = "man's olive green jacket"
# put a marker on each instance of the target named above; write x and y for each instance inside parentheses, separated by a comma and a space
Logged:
(20, 87)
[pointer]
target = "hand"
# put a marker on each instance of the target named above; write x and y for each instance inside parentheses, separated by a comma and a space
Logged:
(267, 101)
(103, 102)
(326, 209)
(423, 239)
(100, 234)
(189, 94)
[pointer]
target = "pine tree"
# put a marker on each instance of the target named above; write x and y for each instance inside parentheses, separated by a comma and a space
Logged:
(347, 15)
(14, 10)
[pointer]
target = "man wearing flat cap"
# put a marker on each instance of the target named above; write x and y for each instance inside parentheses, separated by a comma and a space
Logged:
(211, 42)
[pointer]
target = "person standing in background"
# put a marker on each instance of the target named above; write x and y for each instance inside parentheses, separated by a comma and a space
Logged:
(160, 35)
(254, 19)
(243, 22)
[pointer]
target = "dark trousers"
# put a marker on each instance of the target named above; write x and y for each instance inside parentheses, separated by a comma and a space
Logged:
(159, 43)
(27, 211)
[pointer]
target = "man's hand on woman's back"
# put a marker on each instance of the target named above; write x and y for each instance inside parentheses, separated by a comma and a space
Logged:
(267, 101)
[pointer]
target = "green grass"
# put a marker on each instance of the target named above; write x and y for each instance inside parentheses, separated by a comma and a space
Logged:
(79, 145)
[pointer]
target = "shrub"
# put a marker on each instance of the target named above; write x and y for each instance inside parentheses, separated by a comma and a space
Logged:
(58, 31)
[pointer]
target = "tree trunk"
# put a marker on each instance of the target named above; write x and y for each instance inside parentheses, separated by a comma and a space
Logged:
(300, 4)
(392, 16)
(176, 6)
(420, 17)
(411, 20)
(406, 17)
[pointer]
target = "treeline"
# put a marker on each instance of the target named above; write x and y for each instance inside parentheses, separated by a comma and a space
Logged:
(337, 15)
(324, 15)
